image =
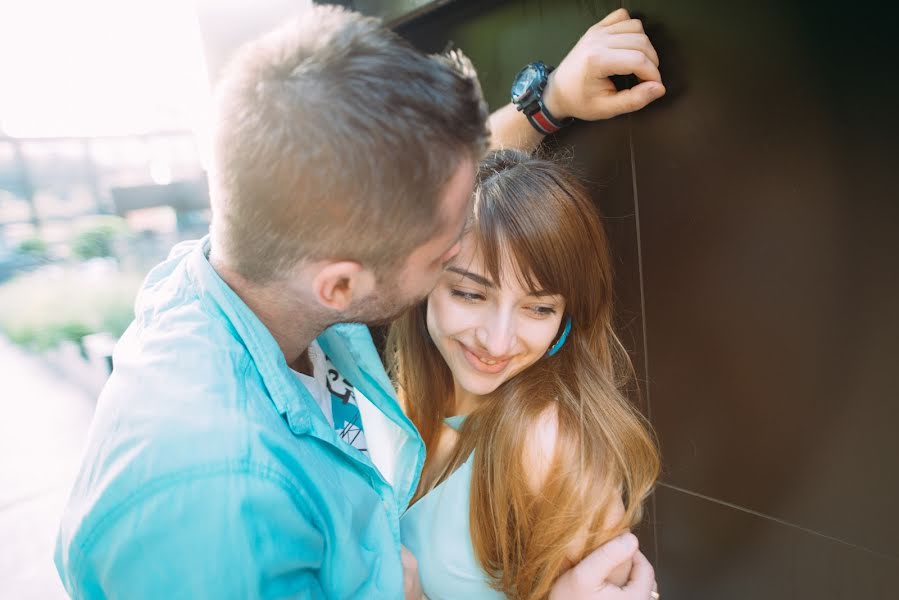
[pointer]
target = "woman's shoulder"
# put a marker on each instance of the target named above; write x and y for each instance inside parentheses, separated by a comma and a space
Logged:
(540, 445)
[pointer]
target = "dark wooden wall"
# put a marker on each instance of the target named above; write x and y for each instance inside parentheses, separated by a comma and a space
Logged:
(755, 222)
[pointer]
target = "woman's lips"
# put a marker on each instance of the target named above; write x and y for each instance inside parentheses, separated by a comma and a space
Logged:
(478, 365)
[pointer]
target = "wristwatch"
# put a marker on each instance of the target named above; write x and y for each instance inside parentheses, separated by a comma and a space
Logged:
(527, 95)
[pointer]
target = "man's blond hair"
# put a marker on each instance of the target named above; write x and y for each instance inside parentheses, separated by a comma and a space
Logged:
(333, 139)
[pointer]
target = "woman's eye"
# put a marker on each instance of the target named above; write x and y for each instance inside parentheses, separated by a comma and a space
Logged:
(543, 311)
(466, 296)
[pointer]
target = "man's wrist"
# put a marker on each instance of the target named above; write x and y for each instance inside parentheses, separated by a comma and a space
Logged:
(552, 101)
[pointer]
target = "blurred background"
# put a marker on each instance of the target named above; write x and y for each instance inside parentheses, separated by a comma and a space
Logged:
(100, 168)
(102, 106)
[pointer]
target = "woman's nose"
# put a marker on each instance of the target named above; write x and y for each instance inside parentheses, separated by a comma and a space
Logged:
(497, 336)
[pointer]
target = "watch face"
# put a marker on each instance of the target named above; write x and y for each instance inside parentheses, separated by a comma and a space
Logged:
(522, 85)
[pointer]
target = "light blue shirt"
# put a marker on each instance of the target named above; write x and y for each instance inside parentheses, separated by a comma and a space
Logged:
(210, 472)
(436, 529)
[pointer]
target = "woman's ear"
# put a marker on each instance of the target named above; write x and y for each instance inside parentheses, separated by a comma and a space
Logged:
(337, 285)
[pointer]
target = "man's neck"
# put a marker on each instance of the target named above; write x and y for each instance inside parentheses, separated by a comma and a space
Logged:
(293, 323)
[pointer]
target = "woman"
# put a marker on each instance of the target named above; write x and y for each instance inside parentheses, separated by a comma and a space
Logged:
(514, 376)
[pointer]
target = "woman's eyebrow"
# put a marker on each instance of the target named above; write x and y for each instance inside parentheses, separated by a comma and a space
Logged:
(480, 279)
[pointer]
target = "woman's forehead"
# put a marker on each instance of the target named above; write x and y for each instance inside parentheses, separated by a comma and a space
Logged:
(513, 276)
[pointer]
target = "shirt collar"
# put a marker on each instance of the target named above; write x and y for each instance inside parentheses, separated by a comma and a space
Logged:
(290, 397)
(348, 345)
(351, 350)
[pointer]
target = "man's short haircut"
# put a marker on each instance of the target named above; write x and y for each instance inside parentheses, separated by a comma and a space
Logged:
(333, 139)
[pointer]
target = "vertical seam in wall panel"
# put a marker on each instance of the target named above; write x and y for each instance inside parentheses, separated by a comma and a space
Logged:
(630, 141)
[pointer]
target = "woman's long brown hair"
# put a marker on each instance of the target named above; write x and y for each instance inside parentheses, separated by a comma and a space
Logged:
(534, 211)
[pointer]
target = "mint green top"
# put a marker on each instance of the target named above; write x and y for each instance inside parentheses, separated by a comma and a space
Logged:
(436, 530)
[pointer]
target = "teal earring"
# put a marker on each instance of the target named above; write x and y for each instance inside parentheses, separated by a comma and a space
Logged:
(558, 345)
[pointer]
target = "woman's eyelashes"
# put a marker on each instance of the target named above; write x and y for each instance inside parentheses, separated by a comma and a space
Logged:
(540, 311)
(466, 296)
(543, 311)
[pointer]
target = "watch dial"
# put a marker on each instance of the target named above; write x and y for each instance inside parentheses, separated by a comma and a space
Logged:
(519, 87)
(523, 82)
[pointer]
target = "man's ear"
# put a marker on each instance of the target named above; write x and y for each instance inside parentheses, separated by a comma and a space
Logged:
(337, 285)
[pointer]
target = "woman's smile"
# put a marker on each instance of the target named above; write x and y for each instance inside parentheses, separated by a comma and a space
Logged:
(484, 363)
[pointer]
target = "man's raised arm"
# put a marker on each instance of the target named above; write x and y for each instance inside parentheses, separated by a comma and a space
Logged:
(580, 87)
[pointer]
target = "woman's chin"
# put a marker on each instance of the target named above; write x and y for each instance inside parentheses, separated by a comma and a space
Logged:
(479, 386)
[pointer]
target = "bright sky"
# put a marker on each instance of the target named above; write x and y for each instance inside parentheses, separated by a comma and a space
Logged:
(100, 67)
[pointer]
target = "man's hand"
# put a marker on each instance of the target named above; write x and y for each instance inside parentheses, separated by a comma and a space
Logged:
(580, 87)
(588, 580)
(411, 581)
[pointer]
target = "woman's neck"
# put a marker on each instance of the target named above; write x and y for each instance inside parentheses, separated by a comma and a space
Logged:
(464, 402)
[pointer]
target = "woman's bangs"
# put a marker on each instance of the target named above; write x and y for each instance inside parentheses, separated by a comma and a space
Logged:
(501, 251)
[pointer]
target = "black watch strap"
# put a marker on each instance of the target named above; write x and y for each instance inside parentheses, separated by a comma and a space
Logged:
(543, 121)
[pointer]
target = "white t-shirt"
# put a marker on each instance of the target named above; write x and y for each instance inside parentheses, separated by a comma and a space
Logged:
(336, 397)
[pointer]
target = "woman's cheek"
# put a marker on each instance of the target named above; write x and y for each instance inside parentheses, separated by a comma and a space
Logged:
(538, 334)
(450, 315)
(442, 319)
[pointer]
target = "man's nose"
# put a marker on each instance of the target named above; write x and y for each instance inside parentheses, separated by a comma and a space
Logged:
(451, 253)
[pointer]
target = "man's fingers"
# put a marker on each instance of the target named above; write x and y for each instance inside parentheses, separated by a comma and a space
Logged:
(629, 26)
(643, 578)
(616, 61)
(597, 565)
(634, 41)
(614, 17)
(408, 559)
(635, 98)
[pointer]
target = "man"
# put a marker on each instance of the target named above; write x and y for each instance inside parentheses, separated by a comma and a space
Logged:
(248, 443)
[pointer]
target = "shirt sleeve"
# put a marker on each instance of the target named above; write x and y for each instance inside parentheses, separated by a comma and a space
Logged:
(224, 536)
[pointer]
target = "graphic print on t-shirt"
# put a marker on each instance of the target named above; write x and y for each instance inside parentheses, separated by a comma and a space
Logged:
(347, 419)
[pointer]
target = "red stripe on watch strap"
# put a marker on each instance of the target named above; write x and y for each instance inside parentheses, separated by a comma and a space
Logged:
(543, 122)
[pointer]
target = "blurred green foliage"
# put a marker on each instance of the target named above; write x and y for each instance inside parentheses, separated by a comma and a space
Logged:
(38, 310)
(34, 247)
(97, 238)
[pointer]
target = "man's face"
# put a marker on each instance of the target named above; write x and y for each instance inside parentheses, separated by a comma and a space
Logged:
(421, 270)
